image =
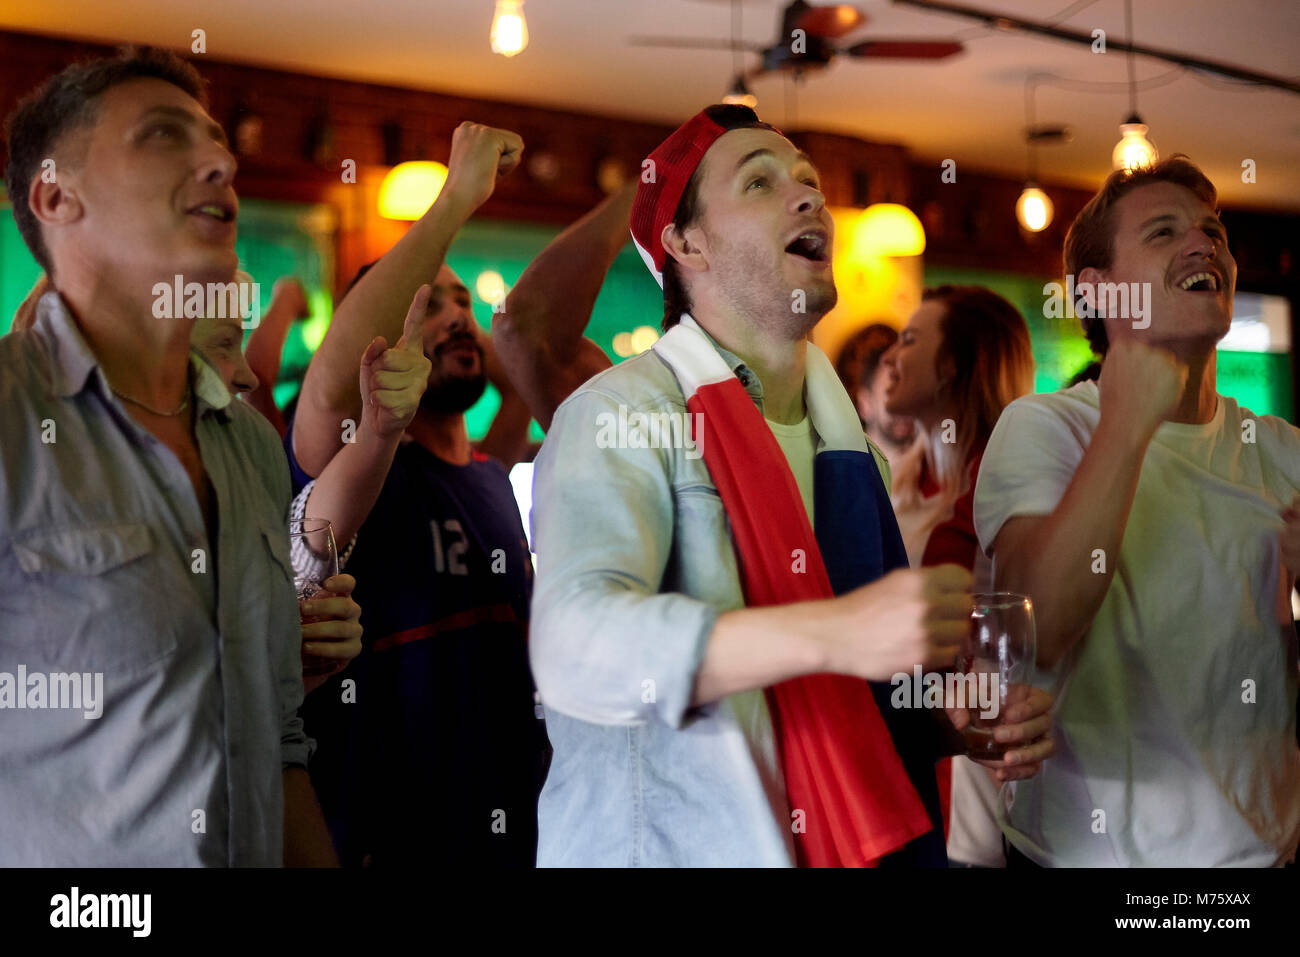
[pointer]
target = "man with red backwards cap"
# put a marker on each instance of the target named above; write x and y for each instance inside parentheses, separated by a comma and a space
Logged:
(703, 687)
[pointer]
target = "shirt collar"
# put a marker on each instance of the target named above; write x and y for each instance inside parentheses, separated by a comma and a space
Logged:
(72, 364)
(748, 378)
(70, 360)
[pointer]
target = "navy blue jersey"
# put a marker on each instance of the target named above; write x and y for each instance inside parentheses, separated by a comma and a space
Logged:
(440, 756)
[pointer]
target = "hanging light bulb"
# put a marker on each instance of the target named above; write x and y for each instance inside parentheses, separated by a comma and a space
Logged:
(1034, 209)
(509, 31)
(1134, 150)
(740, 94)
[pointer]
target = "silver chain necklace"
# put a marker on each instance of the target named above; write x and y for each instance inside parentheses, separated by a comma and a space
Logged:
(148, 408)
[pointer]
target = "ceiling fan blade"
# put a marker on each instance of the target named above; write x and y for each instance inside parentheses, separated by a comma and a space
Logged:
(905, 49)
(693, 43)
(830, 22)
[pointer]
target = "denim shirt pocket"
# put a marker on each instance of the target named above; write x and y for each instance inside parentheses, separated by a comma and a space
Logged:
(87, 583)
(703, 560)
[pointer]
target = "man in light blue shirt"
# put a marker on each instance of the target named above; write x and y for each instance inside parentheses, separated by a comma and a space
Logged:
(142, 512)
(651, 668)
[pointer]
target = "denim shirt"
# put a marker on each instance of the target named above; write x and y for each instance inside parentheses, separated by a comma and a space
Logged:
(635, 562)
(107, 570)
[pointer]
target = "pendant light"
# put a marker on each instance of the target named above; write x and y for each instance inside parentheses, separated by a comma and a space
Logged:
(739, 94)
(509, 29)
(1034, 208)
(1134, 150)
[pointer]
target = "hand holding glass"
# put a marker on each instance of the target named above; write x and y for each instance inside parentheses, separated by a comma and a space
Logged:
(998, 652)
(316, 538)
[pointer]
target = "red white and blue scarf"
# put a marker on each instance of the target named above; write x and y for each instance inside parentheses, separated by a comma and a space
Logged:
(839, 759)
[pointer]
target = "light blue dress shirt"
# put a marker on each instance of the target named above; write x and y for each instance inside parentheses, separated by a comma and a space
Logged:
(106, 567)
(635, 563)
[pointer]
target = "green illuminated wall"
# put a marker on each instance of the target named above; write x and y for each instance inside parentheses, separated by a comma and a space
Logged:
(1259, 381)
(18, 270)
(1060, 349)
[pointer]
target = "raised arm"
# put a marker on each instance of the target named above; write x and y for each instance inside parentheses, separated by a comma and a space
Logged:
(377, 304)
(1051, 558)
(392, 382)
(266, 346)
(539, 335)
(507, 436)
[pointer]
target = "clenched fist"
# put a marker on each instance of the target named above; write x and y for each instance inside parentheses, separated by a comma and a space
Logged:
(909, 617)
(393, 380)
(479, 155)
(1140, 385)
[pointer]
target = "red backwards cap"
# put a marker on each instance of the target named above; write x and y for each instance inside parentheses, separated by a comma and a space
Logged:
(671, 166)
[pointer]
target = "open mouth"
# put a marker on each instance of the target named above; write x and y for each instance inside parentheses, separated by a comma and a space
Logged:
(1200, 282)
(217, 211)
(811, 245)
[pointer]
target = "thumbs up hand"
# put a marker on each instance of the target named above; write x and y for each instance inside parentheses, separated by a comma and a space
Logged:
(393, 380)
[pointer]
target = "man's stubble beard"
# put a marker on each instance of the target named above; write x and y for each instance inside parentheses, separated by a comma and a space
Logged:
(453, 394)
(757, 290)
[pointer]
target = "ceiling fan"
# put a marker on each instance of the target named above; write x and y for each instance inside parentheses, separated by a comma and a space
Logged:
(813, 49)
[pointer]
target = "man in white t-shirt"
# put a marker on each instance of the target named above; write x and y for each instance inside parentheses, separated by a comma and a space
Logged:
(1156, 525)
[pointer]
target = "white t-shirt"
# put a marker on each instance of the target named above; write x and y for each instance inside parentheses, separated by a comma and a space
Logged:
(1160, 761)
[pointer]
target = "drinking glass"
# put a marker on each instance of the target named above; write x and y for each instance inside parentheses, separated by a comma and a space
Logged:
(312, 539)
(999, 651)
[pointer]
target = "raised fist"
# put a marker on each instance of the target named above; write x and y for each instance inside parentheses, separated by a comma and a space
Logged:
(479, 155)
